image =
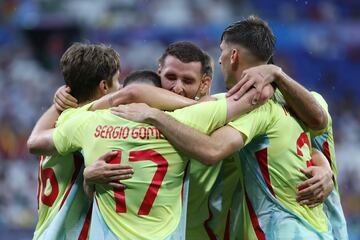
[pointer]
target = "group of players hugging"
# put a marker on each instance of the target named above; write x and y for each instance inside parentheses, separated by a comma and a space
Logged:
(161, 158)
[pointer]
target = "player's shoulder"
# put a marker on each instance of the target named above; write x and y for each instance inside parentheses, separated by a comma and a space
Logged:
(268, 115)
(258, 116)
(74, 113)
(270, 107)
(316, 94)
(77, 115)
(320, 99)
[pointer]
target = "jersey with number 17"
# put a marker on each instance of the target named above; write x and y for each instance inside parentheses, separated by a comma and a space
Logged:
(150, 206)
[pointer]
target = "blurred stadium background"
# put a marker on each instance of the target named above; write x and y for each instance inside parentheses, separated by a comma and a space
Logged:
(318, 43)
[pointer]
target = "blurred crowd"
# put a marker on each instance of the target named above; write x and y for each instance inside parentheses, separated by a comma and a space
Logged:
(318, 44)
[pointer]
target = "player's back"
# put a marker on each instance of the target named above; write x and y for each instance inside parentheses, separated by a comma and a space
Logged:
(277, 146)
(332, 205)
(153, 195)
(210, 194)
(325, 141)
(150, 206)
(59, 190)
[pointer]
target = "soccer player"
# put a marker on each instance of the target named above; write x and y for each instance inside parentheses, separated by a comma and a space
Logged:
(62, 205)
(324, 143)
(276, 143)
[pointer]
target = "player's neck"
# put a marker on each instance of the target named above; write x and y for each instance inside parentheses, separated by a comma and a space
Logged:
(86, 102)
(98, 95)
(244, 66)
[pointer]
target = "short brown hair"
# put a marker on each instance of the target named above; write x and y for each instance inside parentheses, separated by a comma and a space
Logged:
(254, 34)
(84, 65)
(186, 52)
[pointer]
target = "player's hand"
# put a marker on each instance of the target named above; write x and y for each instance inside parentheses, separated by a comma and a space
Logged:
(137, 112)
(317, 188)
(256, 77)
(101, 171)
(63, 99)
(267, 92)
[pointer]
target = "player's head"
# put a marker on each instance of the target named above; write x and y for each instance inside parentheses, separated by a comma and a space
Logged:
(143, 77)
(182, 69)
(246, 43)
(90, 70)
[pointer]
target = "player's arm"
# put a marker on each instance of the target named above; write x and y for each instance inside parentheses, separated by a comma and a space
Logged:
(39, 141)
(221, 143)
(42, 143)
(134, 93)
(99, 172)
(207, 149)
(40, 138)
(317, 188)
(153, 96)
(300, 100)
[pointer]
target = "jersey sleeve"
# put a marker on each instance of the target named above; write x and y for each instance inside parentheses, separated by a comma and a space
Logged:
(68, 136)
(253, 123)
(205, 117)
(324, 105)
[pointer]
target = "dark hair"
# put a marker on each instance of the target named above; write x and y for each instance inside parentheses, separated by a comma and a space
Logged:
(186, 52)
(271, 60)
(254, 34)
(143, 76)
(208, 65)
(84, 65)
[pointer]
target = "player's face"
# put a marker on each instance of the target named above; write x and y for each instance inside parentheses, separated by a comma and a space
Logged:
(115, 82)
(181, 78)
(224, 61)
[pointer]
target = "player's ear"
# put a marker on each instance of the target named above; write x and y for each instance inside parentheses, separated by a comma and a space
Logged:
(159, 69)
(234, 57)
(103, 87)
(205, 85)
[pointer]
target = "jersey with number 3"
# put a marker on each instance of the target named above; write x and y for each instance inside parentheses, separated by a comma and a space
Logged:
(150, 206)
(276, 147)
(332, 205)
